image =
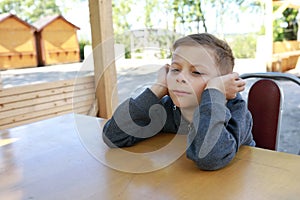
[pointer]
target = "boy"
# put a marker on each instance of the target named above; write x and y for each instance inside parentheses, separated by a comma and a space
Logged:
(200, 96)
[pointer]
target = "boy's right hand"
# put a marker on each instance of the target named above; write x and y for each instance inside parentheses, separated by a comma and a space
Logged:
(160, 88)
(229, 84)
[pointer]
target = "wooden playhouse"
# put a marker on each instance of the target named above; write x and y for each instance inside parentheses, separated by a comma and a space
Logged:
(17, 43)
(56, 40)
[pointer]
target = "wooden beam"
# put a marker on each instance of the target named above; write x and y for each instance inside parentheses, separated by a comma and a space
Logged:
(268, 43)
(104, 56)
(290, 3)
(278, 13)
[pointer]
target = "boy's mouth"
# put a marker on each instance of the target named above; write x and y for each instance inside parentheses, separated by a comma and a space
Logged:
(180, 92)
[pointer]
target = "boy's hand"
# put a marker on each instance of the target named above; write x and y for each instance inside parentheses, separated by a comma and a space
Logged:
(160, 88)
(229, 84)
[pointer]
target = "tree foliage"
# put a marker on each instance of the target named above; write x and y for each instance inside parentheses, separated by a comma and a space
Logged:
(243, 46)
(286, 27)
(121, 9)
(188, 12)
(30, 10)
(121, 25)
(150, 6)
(184, 16)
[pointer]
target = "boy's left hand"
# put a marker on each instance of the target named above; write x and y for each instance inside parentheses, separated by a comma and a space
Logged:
(160, 88)
(229, 84)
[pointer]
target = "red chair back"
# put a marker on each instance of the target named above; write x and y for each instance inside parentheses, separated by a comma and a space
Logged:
(264, 103)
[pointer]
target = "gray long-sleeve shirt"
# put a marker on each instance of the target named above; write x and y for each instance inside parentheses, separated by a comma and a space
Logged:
(219, 128)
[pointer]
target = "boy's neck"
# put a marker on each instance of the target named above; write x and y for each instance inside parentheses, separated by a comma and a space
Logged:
(188, 113)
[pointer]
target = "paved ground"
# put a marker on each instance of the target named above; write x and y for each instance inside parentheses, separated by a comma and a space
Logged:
(133, 79)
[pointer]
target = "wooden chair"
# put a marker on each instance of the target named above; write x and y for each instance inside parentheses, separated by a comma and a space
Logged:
(265, 104)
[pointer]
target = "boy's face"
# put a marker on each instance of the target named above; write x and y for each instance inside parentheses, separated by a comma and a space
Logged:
(191, 68)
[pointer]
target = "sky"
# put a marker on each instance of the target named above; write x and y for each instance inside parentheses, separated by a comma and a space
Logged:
(78, 14)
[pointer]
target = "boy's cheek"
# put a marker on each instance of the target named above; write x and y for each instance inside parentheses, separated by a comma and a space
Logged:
(169, 79)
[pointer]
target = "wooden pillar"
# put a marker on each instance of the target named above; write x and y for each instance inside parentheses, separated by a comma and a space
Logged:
(104, 56)
(269, 34)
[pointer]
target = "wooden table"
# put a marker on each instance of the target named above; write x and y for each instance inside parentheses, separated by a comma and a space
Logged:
(65, 158)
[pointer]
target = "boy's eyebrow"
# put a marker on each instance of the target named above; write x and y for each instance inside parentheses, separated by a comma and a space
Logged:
(174, 62)
(198, 65)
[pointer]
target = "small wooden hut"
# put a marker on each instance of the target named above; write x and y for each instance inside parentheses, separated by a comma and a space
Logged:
(56, 40)
(17, 43)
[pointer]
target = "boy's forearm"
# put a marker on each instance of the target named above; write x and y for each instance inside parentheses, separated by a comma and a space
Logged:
(211, 145)
(129, 116)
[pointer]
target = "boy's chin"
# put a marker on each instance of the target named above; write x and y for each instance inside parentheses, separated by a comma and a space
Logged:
(185, 105)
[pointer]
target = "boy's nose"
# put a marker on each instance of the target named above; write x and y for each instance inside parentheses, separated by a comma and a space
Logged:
(180, 79)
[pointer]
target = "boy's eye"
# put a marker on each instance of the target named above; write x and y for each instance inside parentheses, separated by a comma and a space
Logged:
(173, 69)
(196, 73)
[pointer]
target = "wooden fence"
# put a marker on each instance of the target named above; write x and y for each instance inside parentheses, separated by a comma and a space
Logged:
(285, 55)
(31, 103)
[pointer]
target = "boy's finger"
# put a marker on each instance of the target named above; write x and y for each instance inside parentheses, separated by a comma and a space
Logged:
(235, 75)
(167, 67)
(240, 82)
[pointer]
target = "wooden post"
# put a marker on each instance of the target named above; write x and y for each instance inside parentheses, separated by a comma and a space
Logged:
(269, 34)
(0, 82)
(104, 56)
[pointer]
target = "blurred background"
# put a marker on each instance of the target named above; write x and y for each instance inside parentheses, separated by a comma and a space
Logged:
(244, 24)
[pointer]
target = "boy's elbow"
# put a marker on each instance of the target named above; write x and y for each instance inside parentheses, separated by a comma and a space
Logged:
(211, 162)
(108, 141)
(108, 137)
(206, 165)
(114, 138)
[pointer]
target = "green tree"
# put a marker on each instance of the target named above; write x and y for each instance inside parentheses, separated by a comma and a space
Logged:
(121, 9)
(286, 27)
(12, 6)
(243, 46)
(190, 15)
(30, 10)
(149, 8)
(188, 12)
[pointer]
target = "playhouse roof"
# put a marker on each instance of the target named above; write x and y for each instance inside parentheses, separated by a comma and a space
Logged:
(44, 21)
(5, 16)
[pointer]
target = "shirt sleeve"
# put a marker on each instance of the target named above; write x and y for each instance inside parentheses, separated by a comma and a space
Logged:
(219, 128)
(135, 120)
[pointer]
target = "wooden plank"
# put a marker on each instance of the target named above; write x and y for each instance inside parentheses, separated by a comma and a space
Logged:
(86, 103)
(80, 108)
(30, 102)
(26, 117)
(93, 109)
(48, 105)
(36, 119)
(104, 58)
(27, 104)
(44, 93)
(1, 87)
(45, 86)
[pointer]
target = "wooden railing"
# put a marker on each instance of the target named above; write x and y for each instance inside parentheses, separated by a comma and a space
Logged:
(285, 55)
(26, 104)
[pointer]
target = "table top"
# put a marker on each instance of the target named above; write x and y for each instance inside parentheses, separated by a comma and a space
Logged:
(65, 158)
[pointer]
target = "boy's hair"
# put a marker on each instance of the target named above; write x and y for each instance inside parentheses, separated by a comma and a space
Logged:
(222, 52)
